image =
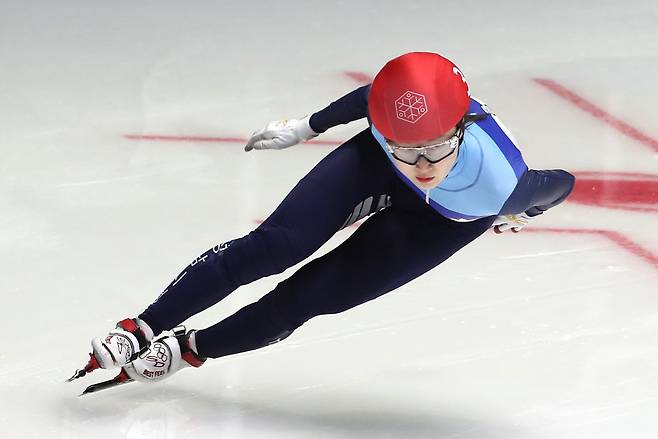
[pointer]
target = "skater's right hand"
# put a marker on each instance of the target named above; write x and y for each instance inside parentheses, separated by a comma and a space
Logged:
(280, 134)
(514, 223)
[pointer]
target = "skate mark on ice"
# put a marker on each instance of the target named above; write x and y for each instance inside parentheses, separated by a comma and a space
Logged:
(617, 238)
(358, 77)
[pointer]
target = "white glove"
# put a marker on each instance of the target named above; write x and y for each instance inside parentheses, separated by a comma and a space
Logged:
(281, 134)
(511, 222)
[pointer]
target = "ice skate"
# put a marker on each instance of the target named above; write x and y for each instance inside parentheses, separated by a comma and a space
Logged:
(118, 348)
(163, 358)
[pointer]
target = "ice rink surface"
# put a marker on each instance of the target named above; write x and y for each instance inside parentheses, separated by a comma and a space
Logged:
(551, 333)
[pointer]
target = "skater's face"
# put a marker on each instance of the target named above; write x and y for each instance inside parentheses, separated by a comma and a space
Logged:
(425, 174)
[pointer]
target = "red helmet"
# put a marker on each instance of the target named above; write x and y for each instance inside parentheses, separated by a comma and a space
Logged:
(417, 97)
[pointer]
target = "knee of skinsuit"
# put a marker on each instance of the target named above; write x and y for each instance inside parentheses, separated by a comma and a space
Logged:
(284, 324)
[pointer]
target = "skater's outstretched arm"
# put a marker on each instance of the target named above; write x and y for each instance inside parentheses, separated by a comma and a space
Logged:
(353, 106)
(539, 190)
(281, 134)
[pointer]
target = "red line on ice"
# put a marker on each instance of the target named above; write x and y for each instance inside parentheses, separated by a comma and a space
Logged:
(599, 113)
(359, 77)
(617, 190)
(168, 138)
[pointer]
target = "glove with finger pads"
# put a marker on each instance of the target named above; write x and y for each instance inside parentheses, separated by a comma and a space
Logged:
(514, 223)
(280, 134)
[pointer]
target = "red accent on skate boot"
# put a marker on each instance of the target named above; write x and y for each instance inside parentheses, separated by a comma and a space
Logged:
(122, 377)
(193, 359)
(92, 364)
(129, 325)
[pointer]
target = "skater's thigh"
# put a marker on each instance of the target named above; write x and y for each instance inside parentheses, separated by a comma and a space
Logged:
(391, 248)
(351, 182)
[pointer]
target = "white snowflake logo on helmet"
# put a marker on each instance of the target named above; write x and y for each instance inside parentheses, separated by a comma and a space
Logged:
(411, 106)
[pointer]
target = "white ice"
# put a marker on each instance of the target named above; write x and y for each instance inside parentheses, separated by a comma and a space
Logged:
(533, 335)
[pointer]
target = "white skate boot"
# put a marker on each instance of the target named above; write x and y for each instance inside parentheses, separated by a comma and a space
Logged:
(117, 348)
(128, 347)
(123, 344)
(165, 356)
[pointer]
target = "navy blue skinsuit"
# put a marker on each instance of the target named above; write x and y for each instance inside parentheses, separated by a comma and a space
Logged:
(408, 231)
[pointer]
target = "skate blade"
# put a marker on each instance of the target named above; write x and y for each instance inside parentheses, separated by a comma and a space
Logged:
(78, 374)
(118, 380)
(91, 366)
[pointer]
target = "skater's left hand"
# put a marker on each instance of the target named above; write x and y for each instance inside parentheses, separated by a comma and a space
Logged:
(281, 134)
(511, 222)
